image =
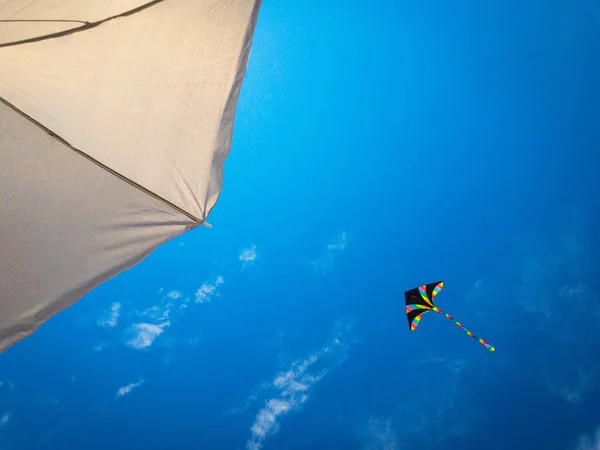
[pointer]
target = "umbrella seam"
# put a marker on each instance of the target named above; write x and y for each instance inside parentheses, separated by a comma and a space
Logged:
(101, 165)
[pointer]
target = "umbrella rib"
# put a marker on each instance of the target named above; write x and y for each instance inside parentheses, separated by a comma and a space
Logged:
(104, 166)
(85, 26)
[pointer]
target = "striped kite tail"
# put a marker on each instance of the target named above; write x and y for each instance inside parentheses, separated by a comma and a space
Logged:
(449, 317)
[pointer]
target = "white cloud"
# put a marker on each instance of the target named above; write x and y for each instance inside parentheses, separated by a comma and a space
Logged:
(207, 290)
(124, 390)
(288, 390)
(111, 318)
(248, 256)
(325, 263)
(158, 313)
(174, 295)
(589, 442)
(144, 334)
(4, 419)
(154, 320)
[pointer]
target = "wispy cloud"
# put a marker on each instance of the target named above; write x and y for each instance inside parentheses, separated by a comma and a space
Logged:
(379, 434)
(570, 385)
(248, 256)
(325, 263)
(144, 334)
(339, 243)
(100, 346)
(121, 392)
(174, 295)
(153, 321)
(110, 318)
(545, 295)
(207, 290)
(288, 390)
(448, 408)
(587, 442)
(556, 274)
(125, 390)
(48, 400)
(191, 342)
(4, 419)
(158, 313)
(161, 312)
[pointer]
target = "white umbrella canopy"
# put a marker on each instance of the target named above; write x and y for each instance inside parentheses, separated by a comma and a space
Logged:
(115, 121)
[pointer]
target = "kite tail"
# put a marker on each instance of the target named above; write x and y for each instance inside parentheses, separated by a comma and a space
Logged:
(448, 316)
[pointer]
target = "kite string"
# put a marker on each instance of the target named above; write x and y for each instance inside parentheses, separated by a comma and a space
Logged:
(449, 317)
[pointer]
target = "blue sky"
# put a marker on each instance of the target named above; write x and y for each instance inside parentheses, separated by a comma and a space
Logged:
(376, 147)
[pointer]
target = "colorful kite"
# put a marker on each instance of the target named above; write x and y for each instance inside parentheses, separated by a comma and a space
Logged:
(420, 301)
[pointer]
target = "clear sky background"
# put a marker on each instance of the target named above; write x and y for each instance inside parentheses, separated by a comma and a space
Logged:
(377, 146)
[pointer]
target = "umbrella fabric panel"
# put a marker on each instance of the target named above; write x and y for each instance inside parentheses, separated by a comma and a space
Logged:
(151, 94)
(66, 225)
(115, 122)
